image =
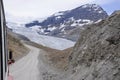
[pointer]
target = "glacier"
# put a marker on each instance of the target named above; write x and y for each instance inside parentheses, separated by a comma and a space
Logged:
(33, 35)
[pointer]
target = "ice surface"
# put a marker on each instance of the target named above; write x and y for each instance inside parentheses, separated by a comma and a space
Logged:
(33, 35)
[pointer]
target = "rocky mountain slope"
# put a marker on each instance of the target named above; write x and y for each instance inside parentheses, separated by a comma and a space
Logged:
(96, 55)
(59, 24)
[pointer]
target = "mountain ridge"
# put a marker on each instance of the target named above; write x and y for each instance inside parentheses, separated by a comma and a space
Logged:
(97, 51)
(59, 24)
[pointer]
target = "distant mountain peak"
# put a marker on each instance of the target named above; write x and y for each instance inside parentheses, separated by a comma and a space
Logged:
(91, 8)
(60, 23)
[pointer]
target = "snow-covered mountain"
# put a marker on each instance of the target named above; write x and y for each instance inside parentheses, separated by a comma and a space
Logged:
(59, 24)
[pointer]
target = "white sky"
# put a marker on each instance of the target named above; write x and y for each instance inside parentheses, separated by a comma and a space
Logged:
(43, 8)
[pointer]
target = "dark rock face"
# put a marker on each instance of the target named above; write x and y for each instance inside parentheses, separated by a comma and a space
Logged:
(115, 39)
(91, 12)
(96, 55)
(61, 23)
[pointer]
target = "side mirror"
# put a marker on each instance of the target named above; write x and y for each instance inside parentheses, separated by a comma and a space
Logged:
(10, 57)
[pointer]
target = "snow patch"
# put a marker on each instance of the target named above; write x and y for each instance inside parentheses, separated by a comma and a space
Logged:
(84, 6)
(91, 6)
(98, 21)
(74, 24)
(79, 20)
(62, 26)
(52, 28)
(58, 17)
(58, 14)
(100, 11)
(87, 21)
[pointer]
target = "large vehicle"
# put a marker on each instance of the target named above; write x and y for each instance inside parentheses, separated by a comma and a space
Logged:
(3, 45)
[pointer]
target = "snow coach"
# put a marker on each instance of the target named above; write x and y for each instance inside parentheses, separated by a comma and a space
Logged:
(4, 69)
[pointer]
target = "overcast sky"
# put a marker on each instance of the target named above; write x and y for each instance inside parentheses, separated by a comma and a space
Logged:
(43, 8)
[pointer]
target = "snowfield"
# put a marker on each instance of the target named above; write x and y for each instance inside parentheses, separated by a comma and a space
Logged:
(33, 35)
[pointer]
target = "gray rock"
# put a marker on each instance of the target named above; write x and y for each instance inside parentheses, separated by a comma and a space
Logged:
(96, 55)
